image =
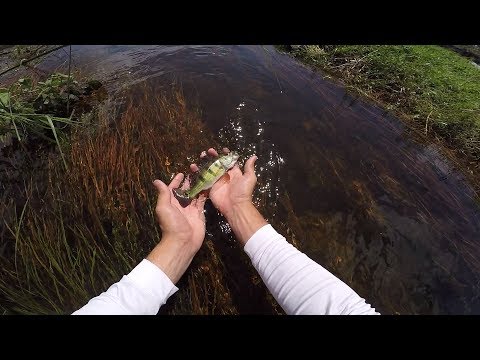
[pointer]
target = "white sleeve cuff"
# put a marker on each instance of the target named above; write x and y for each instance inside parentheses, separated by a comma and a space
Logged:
(265, 233)
(151, 279)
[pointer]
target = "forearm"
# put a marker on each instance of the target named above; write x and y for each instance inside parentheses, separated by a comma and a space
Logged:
(245, 220)
(173, 257)
(300, 285)
(148, 286)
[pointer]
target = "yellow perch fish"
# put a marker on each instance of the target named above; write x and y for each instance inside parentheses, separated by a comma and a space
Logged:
(207, 176)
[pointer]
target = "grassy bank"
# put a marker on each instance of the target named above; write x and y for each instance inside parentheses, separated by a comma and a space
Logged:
(435, 89)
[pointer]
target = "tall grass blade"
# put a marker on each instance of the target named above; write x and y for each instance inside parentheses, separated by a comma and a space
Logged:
(58, 142)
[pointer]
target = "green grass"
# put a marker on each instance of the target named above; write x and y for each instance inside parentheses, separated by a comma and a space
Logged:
(436, 89)
(38, 111)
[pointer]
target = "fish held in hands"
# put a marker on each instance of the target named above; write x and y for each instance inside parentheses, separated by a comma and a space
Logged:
(207, 176)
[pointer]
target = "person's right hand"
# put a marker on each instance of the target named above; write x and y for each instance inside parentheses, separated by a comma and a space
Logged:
(235, 188)
(232, 196)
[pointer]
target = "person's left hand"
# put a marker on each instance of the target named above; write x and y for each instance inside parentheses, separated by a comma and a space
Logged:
(184, 225)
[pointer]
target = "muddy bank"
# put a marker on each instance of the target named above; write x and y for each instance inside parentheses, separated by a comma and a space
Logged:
(470, 51)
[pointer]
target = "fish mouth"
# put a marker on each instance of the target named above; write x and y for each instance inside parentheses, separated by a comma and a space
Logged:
(183, 199)
(184, 202)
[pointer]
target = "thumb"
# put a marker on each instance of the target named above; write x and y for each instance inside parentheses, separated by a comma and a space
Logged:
(250, 166)
(164, 194)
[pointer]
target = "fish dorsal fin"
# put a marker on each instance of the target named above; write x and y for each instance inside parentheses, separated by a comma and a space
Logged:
(203, 164)
(207, 164)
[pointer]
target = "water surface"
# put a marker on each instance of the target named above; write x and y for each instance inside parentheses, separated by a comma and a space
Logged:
(385, 213)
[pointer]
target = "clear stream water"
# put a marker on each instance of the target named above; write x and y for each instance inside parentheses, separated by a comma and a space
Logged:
(385, 213)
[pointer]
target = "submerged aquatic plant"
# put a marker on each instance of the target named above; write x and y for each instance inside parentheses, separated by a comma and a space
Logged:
(91, 225)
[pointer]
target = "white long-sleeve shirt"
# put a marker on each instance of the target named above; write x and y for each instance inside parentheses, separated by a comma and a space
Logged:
(299, 284)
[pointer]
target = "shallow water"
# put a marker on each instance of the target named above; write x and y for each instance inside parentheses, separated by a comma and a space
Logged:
(385, 213)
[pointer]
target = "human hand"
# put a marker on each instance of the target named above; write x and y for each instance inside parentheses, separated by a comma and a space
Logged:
(235, 188)
(183, 229)
(232, 196)
(185, 224)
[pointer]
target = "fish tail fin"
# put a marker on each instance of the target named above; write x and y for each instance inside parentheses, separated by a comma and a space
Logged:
(182, 197)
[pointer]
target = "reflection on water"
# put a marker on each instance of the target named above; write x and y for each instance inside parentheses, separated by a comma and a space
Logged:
(245, 133)
(386, 214)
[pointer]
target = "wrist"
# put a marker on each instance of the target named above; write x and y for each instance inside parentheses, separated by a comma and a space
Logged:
(245, 220)
(172, 255)
(180, 242)
(238, 208)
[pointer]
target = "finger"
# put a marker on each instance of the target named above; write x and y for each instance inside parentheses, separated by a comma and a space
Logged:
(201, 201)
(225, 150)
(186, 183)
(212, 152)
(164, 193)
(235, 171)
(250, 166)
(176, 181)
(194, 168)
